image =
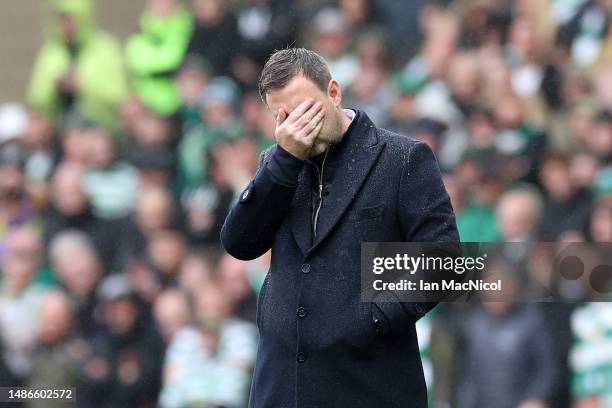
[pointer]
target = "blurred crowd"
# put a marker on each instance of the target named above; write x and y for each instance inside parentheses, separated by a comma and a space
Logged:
(118, 171)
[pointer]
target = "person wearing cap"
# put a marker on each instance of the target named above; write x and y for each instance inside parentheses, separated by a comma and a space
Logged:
(122, 361)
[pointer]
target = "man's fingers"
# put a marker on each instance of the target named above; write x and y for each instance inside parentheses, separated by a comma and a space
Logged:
(300, 110)
(309, 115)
(313, 123)
(314, 132)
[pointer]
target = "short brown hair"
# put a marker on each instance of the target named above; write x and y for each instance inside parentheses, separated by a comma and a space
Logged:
(285, 64)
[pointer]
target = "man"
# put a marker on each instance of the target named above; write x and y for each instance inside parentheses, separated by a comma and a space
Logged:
(332, 181)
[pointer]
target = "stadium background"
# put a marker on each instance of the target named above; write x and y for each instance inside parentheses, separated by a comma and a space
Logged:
(120, 155)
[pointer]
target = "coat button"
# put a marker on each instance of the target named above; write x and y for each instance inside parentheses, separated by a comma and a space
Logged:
(301, 312)
(306, 268)
(301, 357)
(378, 327)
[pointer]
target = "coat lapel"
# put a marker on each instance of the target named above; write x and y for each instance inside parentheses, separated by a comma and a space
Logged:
(301, 211)
(354, 162)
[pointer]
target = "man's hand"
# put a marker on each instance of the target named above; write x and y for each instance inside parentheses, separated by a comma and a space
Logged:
(296, 132)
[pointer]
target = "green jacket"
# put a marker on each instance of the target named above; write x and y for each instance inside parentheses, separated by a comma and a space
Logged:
(153, 56)
(478, 223)
(98, 65)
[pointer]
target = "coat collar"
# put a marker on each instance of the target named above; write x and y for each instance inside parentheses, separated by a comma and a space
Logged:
(353, 158)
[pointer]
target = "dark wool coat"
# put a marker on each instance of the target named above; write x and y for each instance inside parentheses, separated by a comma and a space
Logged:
(319, 344)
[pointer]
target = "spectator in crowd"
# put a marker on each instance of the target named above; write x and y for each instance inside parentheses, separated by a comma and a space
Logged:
(590, 329)
(477, 220)
(69, 208)
(372, 92)
(230, 166)
(256, 123)
(164, 254)
(518, 140)
(33, 131)
(600, 225)
(172, 311)
(192, 79)
(109, 183)
(263, 26)
(55, 358)
(121, 366)
(79, 270)
(197, 269)
(156, 167)
(156, 52)
(218, 122)
(585, 32)
(215, 35)
(150, 131)
(79, 70)
(156, 266)
(360, 14)
(566, 207)
(429, 131)
(16, 204)
(599, 140)
(42, 153)
(74, 147)
(518, 214)
(209, 363)
(154, 210)
(402, 112)
(21, 298)
(331, 40)
(234, 282)
(508, 360)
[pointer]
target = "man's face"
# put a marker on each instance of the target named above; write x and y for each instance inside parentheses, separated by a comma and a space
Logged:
(297, 91)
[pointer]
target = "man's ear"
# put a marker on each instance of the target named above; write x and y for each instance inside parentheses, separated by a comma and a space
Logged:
(334, 92)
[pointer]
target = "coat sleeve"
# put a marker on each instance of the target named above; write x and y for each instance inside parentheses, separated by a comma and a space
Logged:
(425, 215)
(251, 225)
